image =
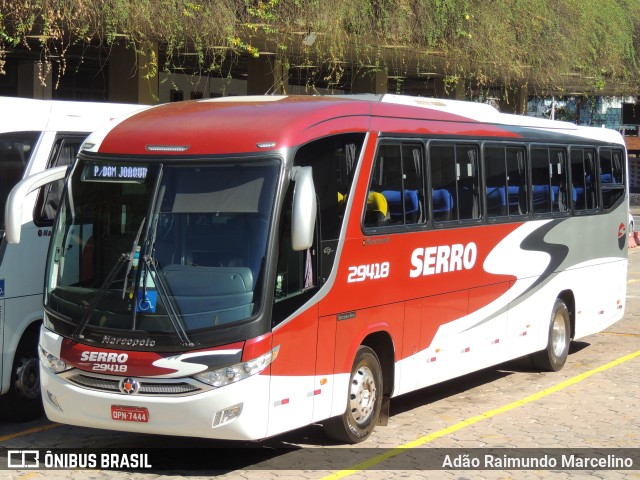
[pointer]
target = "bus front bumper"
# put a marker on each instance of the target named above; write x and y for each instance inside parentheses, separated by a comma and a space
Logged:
(234, 412)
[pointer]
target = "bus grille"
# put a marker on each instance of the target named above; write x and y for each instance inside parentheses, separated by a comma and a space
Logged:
(146, 387)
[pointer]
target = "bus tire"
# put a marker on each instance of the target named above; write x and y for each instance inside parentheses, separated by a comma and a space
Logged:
(364, 400)
(553, 358)
(23, 400)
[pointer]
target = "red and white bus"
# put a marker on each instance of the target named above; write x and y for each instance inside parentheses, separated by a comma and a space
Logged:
(240, 267)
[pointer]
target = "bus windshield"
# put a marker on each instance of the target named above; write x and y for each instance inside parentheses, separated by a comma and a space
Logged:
(166, 248)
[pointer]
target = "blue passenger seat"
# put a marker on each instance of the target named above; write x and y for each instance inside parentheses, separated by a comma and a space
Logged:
(541, 198)
(442, 201)
(411, 205)
(496, 201)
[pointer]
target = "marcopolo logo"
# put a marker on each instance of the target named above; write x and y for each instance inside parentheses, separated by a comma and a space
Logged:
(128, 342)
(443, 259)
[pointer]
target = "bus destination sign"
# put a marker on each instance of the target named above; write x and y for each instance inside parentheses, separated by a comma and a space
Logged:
(118, 173)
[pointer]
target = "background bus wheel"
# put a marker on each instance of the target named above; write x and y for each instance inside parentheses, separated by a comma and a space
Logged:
(363, 402)
(22, 401)
(554, 356)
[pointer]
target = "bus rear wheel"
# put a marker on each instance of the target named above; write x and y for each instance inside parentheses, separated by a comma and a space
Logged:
(553, 358)
(363, 402)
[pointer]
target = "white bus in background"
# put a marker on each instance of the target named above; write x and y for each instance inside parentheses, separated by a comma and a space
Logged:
(35, 135)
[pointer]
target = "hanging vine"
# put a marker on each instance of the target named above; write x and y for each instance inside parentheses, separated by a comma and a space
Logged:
(545, 44)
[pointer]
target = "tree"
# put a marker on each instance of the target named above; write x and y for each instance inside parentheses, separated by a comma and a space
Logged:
(545, 44)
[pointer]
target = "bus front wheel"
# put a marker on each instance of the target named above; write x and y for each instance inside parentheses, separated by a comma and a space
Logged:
(22, 402)
(553, 358)
(364, 400)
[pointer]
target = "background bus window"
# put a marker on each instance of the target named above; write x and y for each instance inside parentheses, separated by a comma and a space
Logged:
(396, 192)
(611, 176)
(506, 193)
(549, 180)
(64, 153)
(455, 182)
(15, 152)
(583, 188)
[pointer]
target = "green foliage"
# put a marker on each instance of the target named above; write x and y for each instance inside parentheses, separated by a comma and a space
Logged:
(547, 44)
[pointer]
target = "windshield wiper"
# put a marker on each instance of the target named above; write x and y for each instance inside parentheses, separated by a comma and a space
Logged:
(132, 254)
(101, 291)
(124, 257)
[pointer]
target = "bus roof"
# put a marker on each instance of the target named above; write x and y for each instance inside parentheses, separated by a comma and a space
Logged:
(27, 114)
(258, 123)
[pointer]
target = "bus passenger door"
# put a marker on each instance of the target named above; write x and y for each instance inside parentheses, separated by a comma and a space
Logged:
(295, 332)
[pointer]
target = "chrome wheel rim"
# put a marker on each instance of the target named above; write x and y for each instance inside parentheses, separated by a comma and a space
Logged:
(559, 335)
(363, 394)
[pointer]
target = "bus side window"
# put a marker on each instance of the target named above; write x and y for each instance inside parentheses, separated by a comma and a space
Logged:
(549, 180)
(468, 182)
(413, 171)
(15, 152)
(497, 184)
(517, 181)
(64, 153)
(454, 169)
(396, 189)
(583, 191)
(558, 169)
(611, 176)
(591, 191)
(540, 181)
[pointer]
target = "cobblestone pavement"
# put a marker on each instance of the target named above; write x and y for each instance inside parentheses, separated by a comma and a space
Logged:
(508, 406)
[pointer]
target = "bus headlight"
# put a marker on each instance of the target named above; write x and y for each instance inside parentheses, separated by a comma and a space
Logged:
(234, 373)
(52, 362)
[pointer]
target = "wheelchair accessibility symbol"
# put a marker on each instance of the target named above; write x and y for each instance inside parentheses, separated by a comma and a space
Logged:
(1, 287)
(148, 303)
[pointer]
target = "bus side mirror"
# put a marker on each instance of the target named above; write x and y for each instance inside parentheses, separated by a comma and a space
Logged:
(303, 217)
(16, 199)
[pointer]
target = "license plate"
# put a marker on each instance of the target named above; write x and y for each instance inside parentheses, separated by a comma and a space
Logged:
(129, 414)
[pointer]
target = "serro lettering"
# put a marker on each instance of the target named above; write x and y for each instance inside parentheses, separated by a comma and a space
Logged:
(107, 357)
(443, 259)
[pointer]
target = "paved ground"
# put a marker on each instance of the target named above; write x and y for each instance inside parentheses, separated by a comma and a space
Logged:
(594, 402)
